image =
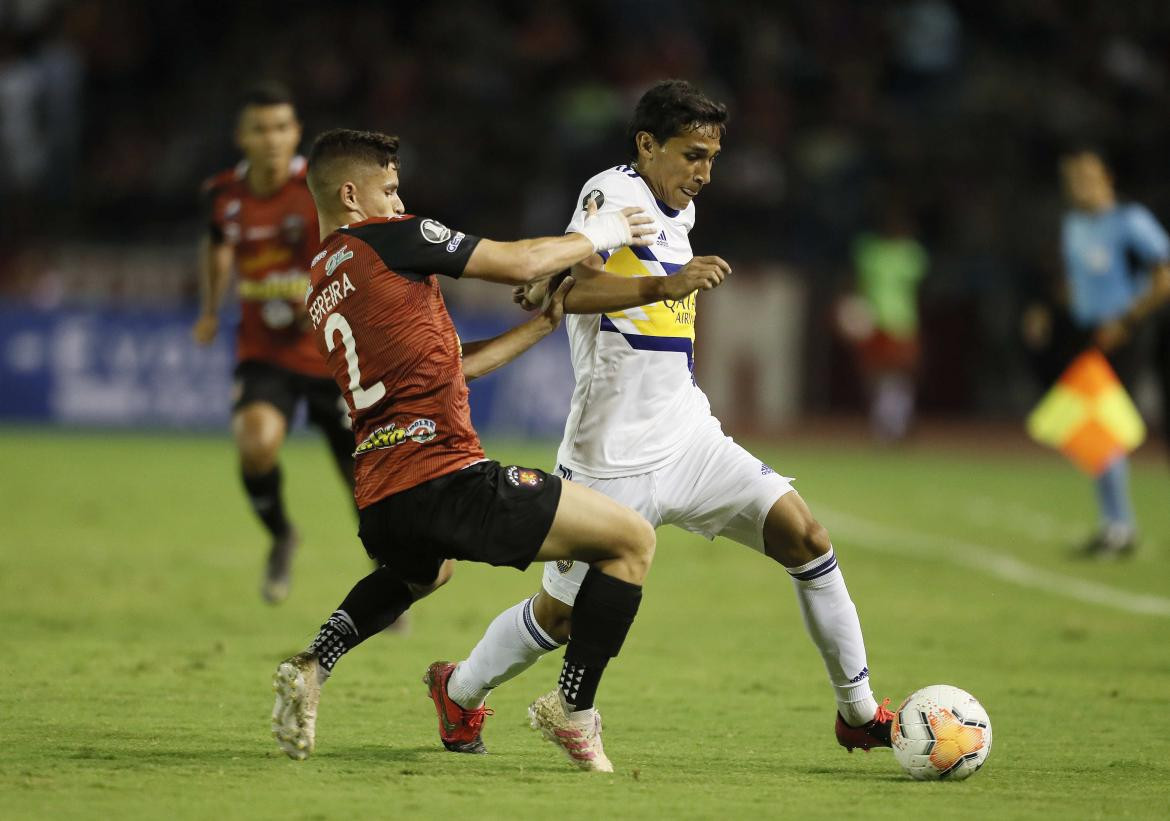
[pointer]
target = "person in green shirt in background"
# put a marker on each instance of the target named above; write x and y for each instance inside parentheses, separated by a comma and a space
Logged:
(889, 265)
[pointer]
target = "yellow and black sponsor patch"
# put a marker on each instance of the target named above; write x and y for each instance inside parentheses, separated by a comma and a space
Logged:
(389, 436)
(289, 286)
(564, 566)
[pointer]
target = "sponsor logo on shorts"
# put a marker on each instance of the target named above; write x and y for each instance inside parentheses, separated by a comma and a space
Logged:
(523, 477)
(564, 566)
(455, 242)
(434, 231)
(765, 470)
(390, 436)
(565, 472)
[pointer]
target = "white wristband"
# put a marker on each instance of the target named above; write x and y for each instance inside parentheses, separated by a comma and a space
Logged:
(607, 231)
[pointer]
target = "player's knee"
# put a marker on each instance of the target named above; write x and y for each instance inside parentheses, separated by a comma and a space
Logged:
(258, 455)
(800, 542)
(815, 540)
(446, 571)
(554, 616)
(259, 447)
(637, 550)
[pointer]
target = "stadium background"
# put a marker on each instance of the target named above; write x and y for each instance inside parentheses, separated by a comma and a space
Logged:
(113, 111)
(137, 651)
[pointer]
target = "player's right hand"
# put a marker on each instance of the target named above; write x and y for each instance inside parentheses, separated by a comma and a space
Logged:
(205, 329)
(700, 274)
(615, 229)
(642, 227)
(531, 295)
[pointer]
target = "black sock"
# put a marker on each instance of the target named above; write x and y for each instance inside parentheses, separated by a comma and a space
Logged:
(602, 614)
(372, 605)
(268, 502)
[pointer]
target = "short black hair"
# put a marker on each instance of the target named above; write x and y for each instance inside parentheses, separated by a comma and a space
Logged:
(672, 107)
(344, 146)
(266, 93)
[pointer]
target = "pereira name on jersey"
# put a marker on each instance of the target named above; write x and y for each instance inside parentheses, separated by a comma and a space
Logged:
(635, 402)
(274, 239)
(379, 320)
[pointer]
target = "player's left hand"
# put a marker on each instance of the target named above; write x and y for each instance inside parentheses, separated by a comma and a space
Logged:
(554, 312)
(1111, 335)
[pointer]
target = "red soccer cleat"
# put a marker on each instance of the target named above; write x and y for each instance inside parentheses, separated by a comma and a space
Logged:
(459, 729)
(875, 733)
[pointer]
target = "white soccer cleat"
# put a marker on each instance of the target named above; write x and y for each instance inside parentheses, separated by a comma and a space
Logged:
(294, 716)
(580, 740)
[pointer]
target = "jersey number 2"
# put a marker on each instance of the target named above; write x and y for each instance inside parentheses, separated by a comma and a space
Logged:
(362, 397)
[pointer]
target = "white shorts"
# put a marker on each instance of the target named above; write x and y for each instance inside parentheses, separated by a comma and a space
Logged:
(716, 488)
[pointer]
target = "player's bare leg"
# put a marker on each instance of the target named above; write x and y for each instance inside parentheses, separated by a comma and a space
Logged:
(588, 527)
(801, 544)
(259, 429)
(372, 605)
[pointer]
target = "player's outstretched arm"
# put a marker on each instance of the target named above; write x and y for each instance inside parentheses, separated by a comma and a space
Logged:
(485, 356)
(600, 292)
(516, 263)
(215, 271)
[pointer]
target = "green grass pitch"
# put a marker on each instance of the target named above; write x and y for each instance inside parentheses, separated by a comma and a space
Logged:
(137, 654)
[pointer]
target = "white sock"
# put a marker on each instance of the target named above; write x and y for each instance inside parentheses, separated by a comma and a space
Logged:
(582, 718)
(832, 623)
(512, 643)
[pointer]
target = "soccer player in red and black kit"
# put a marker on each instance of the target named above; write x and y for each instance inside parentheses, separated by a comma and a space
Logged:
(425, 491)
(264, 225)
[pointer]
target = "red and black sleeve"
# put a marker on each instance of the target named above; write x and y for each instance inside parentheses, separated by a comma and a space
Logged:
(419, 246)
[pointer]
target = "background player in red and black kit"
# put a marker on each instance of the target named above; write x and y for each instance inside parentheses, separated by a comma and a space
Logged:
(263, 224)
(425, 490)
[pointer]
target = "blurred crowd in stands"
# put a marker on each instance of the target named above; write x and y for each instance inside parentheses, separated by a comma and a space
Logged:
(112, 111)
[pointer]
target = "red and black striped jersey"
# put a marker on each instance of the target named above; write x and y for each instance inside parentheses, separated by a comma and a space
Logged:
(274, 239)
(379, 320)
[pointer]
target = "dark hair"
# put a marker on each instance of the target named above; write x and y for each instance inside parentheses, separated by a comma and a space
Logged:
(266, 93)
(672, 107)
(344, 146)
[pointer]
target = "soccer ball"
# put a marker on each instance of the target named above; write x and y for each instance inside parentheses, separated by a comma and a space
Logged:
(941, 732)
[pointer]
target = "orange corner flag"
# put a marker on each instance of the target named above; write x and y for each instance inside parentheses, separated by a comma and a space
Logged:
(1088, 416)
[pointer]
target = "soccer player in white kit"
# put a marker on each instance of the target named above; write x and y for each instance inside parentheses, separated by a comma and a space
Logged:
(641, 431)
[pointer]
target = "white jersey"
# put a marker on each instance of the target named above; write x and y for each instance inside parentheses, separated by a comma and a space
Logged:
(635, 403)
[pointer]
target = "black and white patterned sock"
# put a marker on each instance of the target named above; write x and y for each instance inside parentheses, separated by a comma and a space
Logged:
(373, 604)
(578, 684)
(336, 637)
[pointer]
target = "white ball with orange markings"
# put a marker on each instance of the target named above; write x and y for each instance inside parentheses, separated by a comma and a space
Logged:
(941, 732)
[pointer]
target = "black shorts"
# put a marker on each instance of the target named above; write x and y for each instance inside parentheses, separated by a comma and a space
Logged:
(264, 382)
(499, 515)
